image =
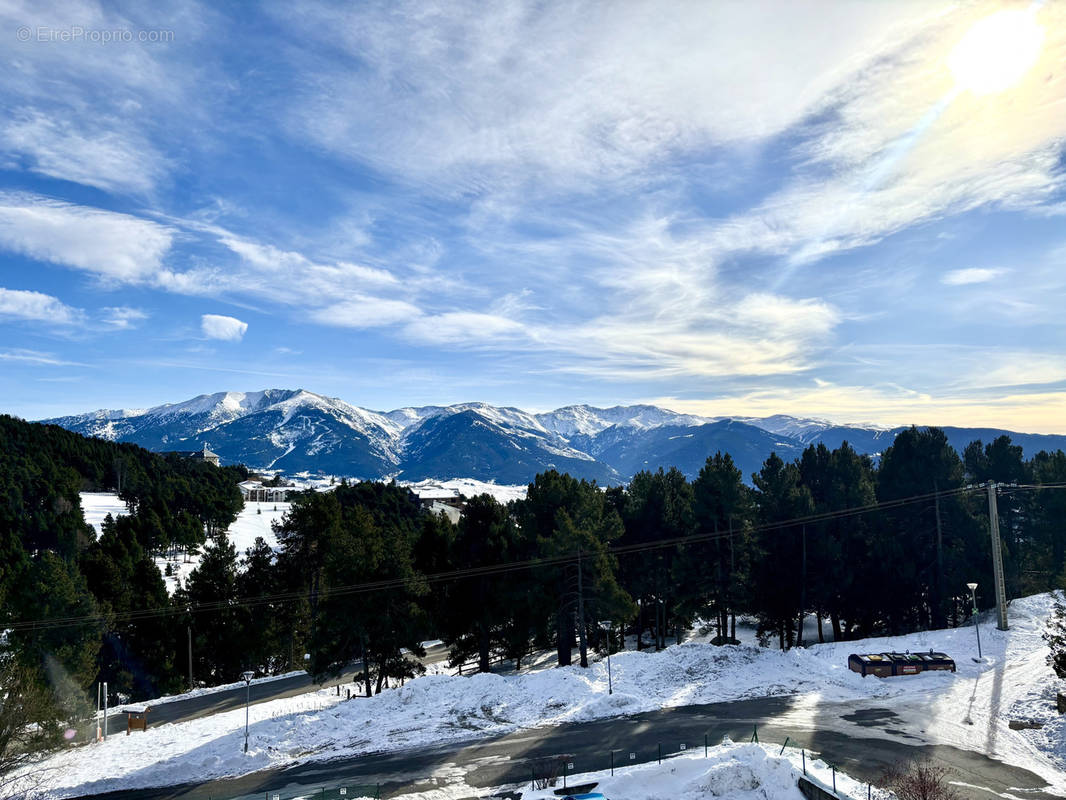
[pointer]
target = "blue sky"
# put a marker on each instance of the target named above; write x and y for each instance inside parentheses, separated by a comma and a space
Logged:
(848, 210)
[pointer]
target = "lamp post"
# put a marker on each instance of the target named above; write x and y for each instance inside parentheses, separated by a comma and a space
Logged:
(247, 675)
(973, 597)
(605, 625)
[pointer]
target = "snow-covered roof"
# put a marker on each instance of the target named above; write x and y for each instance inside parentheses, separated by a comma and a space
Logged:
(436, 493)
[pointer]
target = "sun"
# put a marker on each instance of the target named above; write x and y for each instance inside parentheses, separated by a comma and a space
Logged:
(996, 52)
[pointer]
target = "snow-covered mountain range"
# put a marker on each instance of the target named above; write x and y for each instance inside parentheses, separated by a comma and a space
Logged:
(293, 430)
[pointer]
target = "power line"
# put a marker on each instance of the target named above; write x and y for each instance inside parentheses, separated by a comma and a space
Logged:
(486, 570)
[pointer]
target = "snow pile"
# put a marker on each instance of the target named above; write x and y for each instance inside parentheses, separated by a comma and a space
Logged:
(731, 771)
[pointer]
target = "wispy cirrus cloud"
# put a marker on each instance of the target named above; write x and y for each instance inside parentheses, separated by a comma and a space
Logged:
(968, 275)
(122, 317)
(38, 358)
(100, 157)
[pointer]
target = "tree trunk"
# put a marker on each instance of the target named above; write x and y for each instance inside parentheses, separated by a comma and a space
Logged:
(366, 663)
(821, 633)
(564, 637)
(835, 619)
(482, 646)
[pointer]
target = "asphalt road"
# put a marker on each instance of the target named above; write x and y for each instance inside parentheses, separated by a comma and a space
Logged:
(854, 747)
(229, 699)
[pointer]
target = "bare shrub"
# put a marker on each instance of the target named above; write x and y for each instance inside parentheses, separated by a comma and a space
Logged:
(919, 780)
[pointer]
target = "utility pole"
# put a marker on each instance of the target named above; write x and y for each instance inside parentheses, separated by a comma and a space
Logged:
(581, 614)
(803, 588)
(997, 557)
(939, 610)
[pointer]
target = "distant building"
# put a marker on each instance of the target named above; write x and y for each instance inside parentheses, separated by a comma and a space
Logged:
(256, 492)
(427, 495)
(451, 512)
(195, 455)
(437, 499)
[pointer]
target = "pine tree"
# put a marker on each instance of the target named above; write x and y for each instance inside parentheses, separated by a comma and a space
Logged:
(216, 631)
(1055, 636)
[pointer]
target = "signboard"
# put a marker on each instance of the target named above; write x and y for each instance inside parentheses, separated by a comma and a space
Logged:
(684, 746)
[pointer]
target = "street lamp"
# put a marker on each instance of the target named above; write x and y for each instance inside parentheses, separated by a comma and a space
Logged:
(247, 675)
(605, 625)
(973, 597)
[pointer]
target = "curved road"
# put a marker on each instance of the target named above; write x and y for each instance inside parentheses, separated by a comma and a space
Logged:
(229, 699)
(854, 748)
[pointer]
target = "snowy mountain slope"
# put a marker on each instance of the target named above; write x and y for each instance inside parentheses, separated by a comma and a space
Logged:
(468, 444)
(589, 420)
(688, 447)
(294, 430)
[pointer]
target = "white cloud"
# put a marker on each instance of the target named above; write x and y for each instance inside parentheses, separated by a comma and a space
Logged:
(568, 90)
(217, 326)
(962, 277)
(360, 311)
(122, 317)
(464, 328)
(108, 159)
(107, 244)
(37, 307)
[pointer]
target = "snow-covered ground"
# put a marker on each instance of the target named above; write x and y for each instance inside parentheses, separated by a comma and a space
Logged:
(969, 709)
(254, 520)
(468, 487)
(95, 506)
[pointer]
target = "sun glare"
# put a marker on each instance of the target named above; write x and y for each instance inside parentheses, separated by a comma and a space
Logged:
(996, 52)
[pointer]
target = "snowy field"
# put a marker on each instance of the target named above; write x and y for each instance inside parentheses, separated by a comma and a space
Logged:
(95, 506)
(969, 709)
(468, 487)
(255, 519)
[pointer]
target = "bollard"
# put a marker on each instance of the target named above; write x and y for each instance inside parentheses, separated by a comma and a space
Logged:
(660, 753)
(612, 763)
(532, 779)
(834, 780)
(803, 755)
(705, 745)
(349, 694)
(869, 789)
